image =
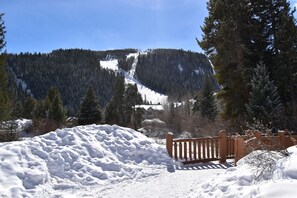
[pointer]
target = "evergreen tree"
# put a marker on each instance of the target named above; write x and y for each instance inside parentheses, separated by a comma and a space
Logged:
(114, 112)
(118, 98)
(54, 105)
(171, 114)
(206, 104)
(264, 104)
(29, 106)
(110, 113)
(121, 109)
(240, 33)
(40, 110)
(131, 98)
(90, 112)
(226, 40)
(16, 110)
(4, 95)
(57, 112)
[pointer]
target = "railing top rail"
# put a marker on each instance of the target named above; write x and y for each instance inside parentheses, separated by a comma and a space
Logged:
(195, 139)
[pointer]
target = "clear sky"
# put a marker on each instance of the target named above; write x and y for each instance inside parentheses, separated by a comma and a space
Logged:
(45, 25)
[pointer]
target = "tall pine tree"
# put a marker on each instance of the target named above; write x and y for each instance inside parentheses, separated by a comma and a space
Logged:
(131, 98)
(240, 33)
(225, 41)
(90, 112)
(206, 104)
(264, 104)
(114, 111)
(5, 109)
(56, 110)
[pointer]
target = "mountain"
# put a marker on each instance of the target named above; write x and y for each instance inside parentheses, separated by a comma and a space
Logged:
(174, 72)
(158, 73)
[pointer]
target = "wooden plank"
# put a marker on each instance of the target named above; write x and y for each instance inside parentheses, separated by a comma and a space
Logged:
(203, 149)
(223, 146)
(208, 149)
(199, 149)
(232, 146)
(180, 151)
(228, 146)
(190, 150)
(185, 151)
(175, 150)
(169, 142)
(212, 148)
(195, 150)
(217, 148)
(194, 139)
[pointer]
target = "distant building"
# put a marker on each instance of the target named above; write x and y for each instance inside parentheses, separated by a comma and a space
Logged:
(151, 111)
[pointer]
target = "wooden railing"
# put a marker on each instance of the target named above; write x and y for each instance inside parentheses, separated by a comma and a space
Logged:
(245, 144)
(196, 150)
(222, 147)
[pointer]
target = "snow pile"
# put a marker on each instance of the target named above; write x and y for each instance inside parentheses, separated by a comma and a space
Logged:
(77, 159)
(241, 181)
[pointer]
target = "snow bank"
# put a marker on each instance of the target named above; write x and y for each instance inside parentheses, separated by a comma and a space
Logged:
(241, 181)
(77, 158)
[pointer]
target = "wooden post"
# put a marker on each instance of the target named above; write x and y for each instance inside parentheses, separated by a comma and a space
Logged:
(281, 138)
(257, 134)
(238, 148)
(169, 143)
(223, 146)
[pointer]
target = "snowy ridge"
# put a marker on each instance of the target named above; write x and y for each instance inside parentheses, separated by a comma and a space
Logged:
(134, 64)
(77, 158)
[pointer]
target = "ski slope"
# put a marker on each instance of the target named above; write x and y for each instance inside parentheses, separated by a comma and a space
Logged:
(147, 94)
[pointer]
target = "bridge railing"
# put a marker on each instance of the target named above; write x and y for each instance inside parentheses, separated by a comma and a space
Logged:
(196, 150)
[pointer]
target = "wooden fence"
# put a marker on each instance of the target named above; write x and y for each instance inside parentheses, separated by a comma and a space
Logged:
(221, 147)
(246, 144)
(197, 150)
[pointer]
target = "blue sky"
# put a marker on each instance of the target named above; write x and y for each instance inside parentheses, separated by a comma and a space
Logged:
(45, 25)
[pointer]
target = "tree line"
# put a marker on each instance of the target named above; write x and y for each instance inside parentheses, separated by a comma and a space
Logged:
(242, 36)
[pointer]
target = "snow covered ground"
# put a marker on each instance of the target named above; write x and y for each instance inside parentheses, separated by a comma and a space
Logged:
(242, 180)
(112, 161)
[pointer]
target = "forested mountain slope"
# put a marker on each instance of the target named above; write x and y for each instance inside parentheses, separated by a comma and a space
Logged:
(174, 72)
(168, 71)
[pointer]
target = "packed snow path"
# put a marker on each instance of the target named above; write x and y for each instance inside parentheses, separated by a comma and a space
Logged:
(167, 184)
(174, 181)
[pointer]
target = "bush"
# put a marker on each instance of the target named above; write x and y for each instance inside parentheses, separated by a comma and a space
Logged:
(8, 132)
(43, 126)
(262, 153)
(8, 136)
